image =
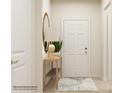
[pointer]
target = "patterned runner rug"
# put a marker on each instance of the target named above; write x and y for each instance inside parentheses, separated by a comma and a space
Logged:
(69, 84)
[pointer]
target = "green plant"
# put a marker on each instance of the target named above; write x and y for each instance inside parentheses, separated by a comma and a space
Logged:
(57, 44)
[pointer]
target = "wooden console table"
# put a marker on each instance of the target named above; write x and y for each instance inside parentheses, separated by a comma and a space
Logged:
(53, 72)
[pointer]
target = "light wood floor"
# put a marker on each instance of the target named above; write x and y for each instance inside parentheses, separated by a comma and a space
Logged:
(103, 87)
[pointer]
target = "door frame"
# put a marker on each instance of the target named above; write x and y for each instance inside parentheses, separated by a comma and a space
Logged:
(62, 38)
(109, 48)
(107, 56)
(109, 44)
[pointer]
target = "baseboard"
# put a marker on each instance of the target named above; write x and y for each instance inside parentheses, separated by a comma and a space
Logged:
(104, 78)
(96, 76)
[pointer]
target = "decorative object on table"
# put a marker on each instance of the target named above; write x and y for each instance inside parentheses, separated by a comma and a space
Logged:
(51, 50)
(57, 44)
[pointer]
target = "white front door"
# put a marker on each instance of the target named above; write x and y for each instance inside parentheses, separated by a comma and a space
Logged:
(19, 50)
(76, 48)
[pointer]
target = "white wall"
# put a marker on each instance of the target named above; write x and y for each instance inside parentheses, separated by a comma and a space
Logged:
(42, 6)
(27, 24)
(58, 9)
(81, 9)
(31, 28)
(38, 43)
(32, 43)
(45, 6)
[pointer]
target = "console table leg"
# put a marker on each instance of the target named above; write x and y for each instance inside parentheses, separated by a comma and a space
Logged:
(56, 75)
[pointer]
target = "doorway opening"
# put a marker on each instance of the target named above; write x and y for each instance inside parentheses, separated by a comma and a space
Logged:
(78, 24)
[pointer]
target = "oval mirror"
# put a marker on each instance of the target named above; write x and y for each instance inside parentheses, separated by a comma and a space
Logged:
(45, 29)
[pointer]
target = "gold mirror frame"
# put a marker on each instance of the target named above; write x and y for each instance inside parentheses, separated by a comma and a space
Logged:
(43, 33)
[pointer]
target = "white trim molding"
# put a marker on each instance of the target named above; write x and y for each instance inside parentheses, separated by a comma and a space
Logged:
(107, 4)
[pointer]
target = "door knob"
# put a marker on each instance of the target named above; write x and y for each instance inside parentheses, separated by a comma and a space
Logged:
(85, 48)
